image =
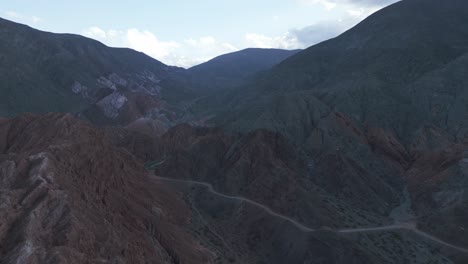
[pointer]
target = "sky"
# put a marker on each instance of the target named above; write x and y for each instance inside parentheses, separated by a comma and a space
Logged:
(188, 32)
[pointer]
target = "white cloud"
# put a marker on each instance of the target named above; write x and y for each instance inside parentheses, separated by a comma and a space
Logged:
(300, 38)
(368, 3)
(361, 13)
(36, 19)
(328, 4)
(287, 41)
(95, 32)
(190, 52)
(23, 18)
(140, 40)
(194, 50)
(205, 48)
(331, 4)
(147, 42)
(208, 45)
(201, 42)
(110, 37)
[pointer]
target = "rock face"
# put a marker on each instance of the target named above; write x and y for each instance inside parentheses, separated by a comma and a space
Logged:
(331, 192)
(69, 196)
(377, 120)
(267, 168)
(369, 129)
(107, 86)
(382, 105)
(381, 73)
(71, 73)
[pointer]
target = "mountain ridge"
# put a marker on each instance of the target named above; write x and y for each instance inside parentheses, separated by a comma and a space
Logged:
(233, 69)
(369, 129)
(71, 73)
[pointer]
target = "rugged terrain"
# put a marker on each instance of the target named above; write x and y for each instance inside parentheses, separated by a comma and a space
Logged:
(383, 102)
(253, 194)
(69, 196)
(354, 150)
(45, 72)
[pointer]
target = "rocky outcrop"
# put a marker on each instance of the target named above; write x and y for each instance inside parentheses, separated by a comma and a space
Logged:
(264, 166)
(69, 196)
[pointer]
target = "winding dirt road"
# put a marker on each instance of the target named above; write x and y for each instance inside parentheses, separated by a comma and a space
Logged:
(242, 199)
(407, 226)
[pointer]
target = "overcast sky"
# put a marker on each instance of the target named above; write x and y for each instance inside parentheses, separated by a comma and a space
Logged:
(188, 32)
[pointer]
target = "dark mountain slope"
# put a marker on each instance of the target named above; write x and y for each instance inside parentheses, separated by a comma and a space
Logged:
(394, 45)
(233, 69)
(43, 72)
(47, 72)
(331, 191)
(365, 71)
(386, 97)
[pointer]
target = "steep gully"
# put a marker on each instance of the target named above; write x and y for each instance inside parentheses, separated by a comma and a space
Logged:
(398, 226)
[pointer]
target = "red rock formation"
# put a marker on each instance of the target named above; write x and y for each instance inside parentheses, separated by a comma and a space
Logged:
(386, 143)
(69, 196)
(137, 105)
(148, 126)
